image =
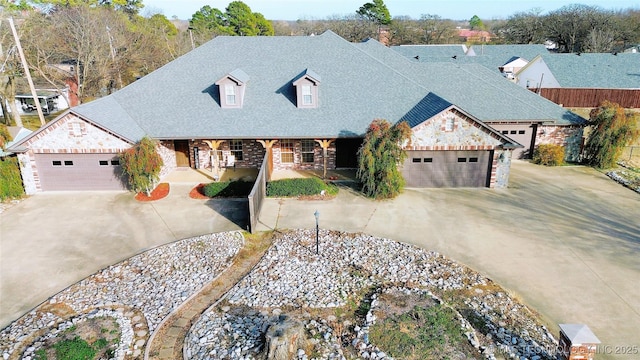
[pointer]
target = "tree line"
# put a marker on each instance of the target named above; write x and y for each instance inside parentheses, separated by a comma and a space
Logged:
(103, 45)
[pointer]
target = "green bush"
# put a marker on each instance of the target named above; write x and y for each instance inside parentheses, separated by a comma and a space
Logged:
(228, 189)
(74, 349)
(10, 180)
(548, 154)
(299, 186)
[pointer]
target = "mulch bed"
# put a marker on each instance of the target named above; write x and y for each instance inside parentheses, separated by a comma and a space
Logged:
(161, 191)
(198, 192)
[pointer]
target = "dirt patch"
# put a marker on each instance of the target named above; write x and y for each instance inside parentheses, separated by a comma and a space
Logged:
(198, 192)
(161, 191)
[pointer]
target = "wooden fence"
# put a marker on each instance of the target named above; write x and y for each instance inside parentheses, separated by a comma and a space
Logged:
(259, 191)
(590, 98)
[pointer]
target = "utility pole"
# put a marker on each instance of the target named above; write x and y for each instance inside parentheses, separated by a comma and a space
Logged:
(26, 71)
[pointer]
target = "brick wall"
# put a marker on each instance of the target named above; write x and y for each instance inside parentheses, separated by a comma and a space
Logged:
(317, 164)
(568, 136)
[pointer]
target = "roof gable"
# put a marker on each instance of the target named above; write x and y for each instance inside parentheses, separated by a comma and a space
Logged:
(69, 132)
(443, 124)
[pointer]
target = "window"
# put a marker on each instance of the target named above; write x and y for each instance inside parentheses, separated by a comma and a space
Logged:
(307, 97)
(308, 147)
(68, 163)
(104, 162)
(513, 131)
(235, 146)
(115, 162)
(416, 160)
(473, 159)
(56, 163)
(505, 132)
(286, 151)
(462, 159)
(450, 124)
(520, 132)
(427, 160)
(230, 93)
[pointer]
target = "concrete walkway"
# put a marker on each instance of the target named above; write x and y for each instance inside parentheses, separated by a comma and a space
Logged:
(566, 239)
(52, 240)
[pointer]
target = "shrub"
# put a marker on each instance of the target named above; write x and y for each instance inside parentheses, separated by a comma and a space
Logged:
(142, 164)
(228, 189)
(548, 154)
(299, 186)
(612, 130)
(10, 180)
(74, 349)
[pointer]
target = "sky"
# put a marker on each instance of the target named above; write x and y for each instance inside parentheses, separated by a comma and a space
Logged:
(322, 9)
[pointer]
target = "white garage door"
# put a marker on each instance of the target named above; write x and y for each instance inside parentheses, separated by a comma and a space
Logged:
(79, 172)
(447, 168)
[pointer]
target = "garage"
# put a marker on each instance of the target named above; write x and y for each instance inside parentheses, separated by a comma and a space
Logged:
(79, 172)
(436, 169)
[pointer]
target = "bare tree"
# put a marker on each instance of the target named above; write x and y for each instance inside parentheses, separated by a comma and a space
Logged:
(523, 28)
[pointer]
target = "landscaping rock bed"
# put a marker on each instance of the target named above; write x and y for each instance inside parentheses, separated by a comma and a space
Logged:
(291, 280)
(153, 283)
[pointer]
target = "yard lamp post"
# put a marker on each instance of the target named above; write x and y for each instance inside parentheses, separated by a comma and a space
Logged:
(317, 215)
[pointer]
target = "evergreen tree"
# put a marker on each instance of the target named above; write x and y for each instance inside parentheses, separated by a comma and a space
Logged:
(379, 156)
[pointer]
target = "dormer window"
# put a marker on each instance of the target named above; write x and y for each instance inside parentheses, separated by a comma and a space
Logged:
(306, 85)
(230, 93)
(307, 96)
(231, 88)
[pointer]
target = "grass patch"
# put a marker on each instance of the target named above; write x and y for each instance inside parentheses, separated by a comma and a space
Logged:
(228, 189)
(95, 338)
(10, 179)
(421, 333)
(300, 187)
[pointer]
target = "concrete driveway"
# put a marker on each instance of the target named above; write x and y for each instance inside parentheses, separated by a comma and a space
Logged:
(52, 240)
(566, 240)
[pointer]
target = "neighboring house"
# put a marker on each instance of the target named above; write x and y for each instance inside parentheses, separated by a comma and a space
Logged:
(584, 80)
(476, 36)
(50, 102)
(298, 98)
(17, 134)
(505, 59)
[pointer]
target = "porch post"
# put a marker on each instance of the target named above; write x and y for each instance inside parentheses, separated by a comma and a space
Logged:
(324, 144)
(268, 145)
(214, 145)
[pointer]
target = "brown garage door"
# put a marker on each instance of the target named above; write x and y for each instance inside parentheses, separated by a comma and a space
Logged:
(447, 168)
(79, 172)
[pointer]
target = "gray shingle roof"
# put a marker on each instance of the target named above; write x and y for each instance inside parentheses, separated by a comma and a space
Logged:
(360, 82)
(427, 52)
(477, 90)
(595, 70)
(505, 52)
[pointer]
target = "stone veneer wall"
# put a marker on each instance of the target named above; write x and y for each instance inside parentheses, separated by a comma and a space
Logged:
(466, 134)
(500, 169)
(571, 137)
(167, 152)
(68, 135)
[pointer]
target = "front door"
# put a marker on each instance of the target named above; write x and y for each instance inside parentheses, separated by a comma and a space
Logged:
(182, 153)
